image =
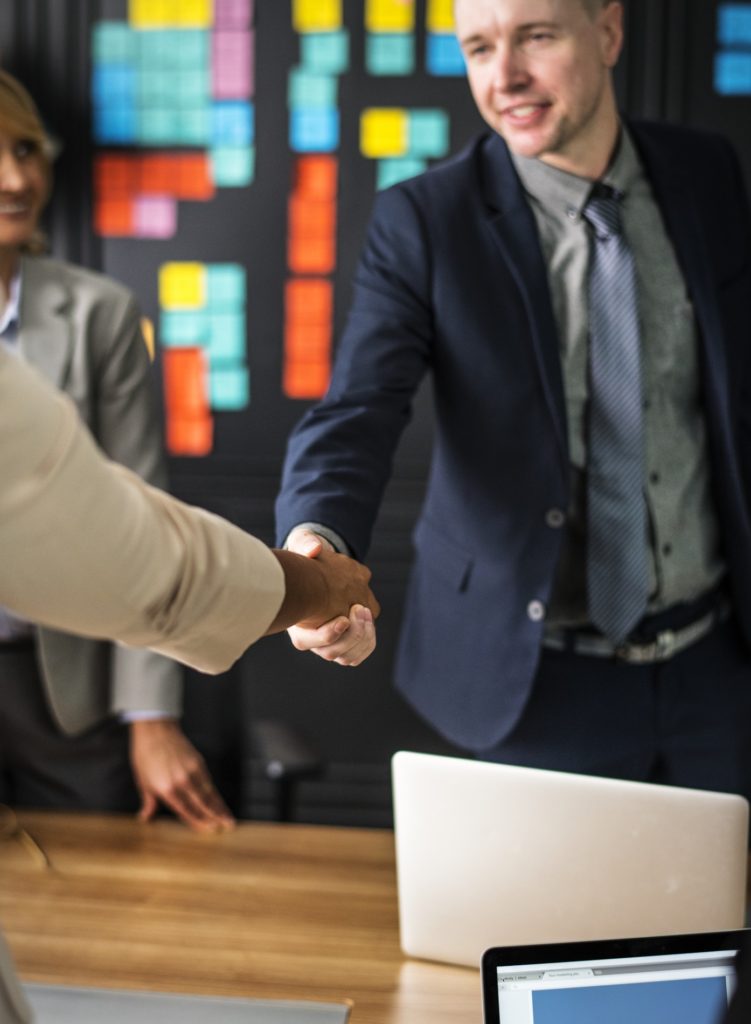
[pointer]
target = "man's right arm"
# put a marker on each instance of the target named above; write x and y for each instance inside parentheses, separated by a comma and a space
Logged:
(87, 547)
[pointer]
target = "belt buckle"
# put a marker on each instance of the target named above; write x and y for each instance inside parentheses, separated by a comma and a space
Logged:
(660, 649)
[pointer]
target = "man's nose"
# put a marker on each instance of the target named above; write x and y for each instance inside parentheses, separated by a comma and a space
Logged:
(511, 71)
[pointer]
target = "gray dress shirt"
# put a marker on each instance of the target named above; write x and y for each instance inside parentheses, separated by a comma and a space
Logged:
(683, 538)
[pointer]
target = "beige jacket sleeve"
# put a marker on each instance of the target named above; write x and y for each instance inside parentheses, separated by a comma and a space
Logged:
(87, 547)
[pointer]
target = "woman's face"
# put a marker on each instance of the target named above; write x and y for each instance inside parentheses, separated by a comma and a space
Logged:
(24, 187)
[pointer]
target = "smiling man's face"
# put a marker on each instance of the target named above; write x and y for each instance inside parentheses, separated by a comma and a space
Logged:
(539, 71)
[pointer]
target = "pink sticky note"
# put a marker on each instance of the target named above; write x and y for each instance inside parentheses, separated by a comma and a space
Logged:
(155, 217)
(231, 65)
(233, 13)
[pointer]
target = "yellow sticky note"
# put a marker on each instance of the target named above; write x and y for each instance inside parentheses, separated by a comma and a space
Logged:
(316, 15)
(384, 131)
(182, 285)
(153, 13)
(439, 16)
(195, 13)
(390, 15)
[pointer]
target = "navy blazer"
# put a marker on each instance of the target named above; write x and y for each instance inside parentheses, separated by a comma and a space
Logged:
(452, 281)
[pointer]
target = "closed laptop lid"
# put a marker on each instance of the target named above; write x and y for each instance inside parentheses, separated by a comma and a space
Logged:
(658, 980)
(491, 855)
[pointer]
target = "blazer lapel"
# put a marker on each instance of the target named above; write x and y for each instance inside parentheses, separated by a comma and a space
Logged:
(45, 337)
(514, 230)
(674, 198)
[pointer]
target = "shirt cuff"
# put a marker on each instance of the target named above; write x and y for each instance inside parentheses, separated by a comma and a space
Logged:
(145, 716)
(337, 542)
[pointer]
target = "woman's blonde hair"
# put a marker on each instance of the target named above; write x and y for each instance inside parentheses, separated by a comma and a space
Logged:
(20, 119)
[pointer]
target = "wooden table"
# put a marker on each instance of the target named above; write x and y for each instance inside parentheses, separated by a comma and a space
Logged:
(267, 911)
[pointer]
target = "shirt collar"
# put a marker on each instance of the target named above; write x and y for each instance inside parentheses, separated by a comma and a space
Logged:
(10, 315)
(563, 195)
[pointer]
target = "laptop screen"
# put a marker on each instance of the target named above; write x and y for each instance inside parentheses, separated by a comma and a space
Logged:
(646, 980)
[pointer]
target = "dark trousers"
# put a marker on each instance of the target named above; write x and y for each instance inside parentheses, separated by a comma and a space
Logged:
(683, 722)
(40, 766)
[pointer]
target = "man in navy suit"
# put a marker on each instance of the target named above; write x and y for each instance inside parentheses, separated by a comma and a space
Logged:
(479, 273)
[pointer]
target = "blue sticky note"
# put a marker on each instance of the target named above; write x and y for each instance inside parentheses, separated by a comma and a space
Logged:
(734, 24)
(116, 125)
(232, 123)
(326, 53)
(180, 329)
(396, 169)
(390, 53)
(310, 89)
(428, 133)
(113, 84)
(229, 388)
(113, 42)
(227, 338)
(225, 286)
(443, 55)
(313, 131)
(732, 74)
(232, 166)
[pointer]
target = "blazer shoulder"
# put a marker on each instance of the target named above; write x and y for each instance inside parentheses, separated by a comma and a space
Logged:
(82, 285)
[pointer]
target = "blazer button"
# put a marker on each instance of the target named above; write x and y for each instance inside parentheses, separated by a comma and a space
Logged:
(555, 518)
(536, 611)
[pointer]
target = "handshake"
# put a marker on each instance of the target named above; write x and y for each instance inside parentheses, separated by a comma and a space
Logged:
(329, 608)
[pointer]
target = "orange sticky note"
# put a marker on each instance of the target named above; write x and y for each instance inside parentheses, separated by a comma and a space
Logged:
(194, 180)
(115, 176)
(185, 382)
(311, 218)
(113, 217)
(309, 300)
(189, 436)
(316, 177)
(307, 342)
(306, 255)
(306, 379)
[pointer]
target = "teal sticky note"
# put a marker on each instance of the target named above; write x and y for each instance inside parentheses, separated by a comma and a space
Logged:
(194, 126)
(390, 53)
(191, 49)
(310, 90)
(156, 49)
(391, 171)
(226, 338)
(326, 53)
(158, 126)
(225, 286)
(232, 166)
(181, 329)
(193, 87)
(155, 88)
(428, 133)
(113, 42)
(229, 388)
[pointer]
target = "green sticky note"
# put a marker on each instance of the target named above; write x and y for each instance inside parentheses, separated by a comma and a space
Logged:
(391, 171)
(155, 88)
(191, 49)
(326, 53)
(182, 329)
(229, 388)
(390, 53)
(193, 87)
(232, 166)
(428, 133)
(225, 286)
(309, 90)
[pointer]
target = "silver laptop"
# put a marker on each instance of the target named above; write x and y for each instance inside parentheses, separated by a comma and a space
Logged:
(670, 979)
(491, 855)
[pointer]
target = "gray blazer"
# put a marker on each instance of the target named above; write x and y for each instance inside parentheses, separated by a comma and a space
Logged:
(82, 332)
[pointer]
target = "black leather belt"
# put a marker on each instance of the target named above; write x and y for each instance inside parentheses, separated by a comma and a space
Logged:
(639, 650)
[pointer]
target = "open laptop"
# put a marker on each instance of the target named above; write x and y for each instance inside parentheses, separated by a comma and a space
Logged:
(491, 854)
(673, 979)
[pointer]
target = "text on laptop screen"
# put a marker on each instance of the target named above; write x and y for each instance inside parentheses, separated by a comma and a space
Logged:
(693, 988)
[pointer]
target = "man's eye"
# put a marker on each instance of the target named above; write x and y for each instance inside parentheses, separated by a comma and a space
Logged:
(25, 148)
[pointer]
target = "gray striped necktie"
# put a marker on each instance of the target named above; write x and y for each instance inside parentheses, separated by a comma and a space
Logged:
(617, 576)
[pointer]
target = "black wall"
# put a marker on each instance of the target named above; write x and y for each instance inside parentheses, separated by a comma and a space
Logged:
(351, 716)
